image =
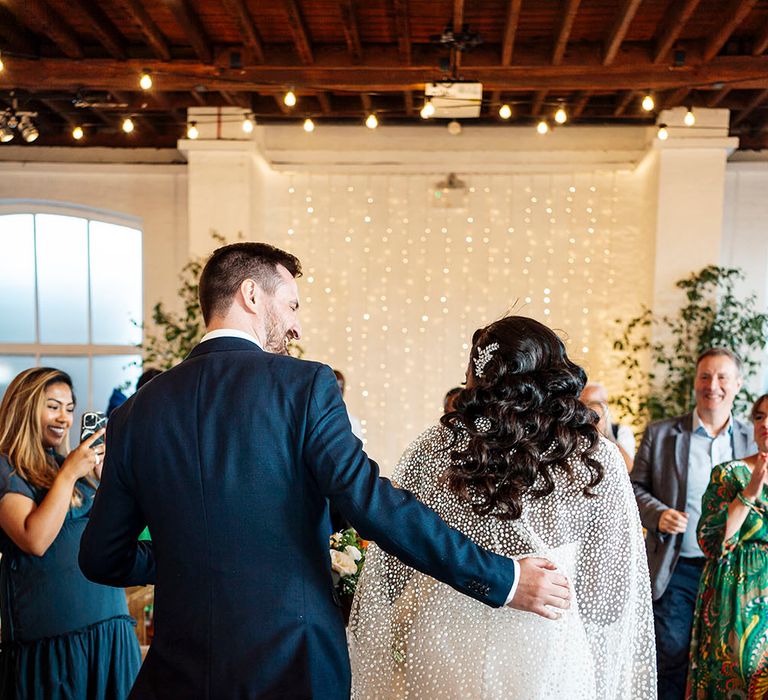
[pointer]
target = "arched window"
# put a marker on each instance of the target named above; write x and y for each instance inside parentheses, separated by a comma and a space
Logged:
(70, 297)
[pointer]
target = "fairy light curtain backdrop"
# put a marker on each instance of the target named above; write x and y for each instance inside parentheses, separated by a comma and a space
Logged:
(395, 282)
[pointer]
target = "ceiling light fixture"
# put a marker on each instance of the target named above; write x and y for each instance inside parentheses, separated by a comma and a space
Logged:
(127, 125)
(505, 111)
(248, 124)
(28, 130)
(145, 81)
(690, 118)
(77, 133)
(542, 127)
(662, 134)
(561, 116)
(371, 122)
(309, 125)
(648, 104)
(6, 132)
(427, 110)
(290, 99)
(192, 131)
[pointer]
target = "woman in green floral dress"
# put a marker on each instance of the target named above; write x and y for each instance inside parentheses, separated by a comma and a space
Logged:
(729, 652)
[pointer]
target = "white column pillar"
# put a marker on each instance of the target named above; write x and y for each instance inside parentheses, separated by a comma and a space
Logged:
(689, 170)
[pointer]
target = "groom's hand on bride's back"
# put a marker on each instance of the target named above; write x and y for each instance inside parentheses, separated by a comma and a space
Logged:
(541, 588)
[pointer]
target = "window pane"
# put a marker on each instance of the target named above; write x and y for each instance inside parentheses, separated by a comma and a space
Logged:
(10, 366)
(62, 272)
(115, 284)
(112, 372)
(17, 279)
(77, 368)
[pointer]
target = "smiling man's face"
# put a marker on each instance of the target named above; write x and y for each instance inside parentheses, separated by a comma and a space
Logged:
(717, 383)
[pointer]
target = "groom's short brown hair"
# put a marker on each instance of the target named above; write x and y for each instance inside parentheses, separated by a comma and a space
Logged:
(229, 265)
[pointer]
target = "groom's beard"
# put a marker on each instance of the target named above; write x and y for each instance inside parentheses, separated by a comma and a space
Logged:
(277, 335)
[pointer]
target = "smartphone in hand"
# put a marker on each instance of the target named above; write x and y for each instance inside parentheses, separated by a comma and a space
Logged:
(90, 423)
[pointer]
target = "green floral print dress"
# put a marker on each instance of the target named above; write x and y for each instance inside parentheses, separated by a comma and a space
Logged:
(729, 651)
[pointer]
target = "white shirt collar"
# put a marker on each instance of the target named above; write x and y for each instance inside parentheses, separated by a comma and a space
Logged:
(230, 333)
(699, 427)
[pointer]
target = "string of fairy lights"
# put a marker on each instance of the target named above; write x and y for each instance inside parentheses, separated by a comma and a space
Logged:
(13, 121)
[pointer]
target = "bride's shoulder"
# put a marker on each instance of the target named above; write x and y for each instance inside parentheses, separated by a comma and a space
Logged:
(425, 454)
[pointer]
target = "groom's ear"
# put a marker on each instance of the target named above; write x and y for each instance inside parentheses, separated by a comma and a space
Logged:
(252, 295)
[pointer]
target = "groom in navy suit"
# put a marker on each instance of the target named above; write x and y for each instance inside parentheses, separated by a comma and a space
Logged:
(231, 458)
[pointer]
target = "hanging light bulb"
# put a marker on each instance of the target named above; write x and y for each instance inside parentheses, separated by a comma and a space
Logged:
(192, 132)
(427, 110)
(127, 125)
(248, 124)
(662, 134)
(648, 104)
(309, 125)
(505, 111)
(542, 127)
(560, 116)
(77, 133)
(689, 119)
(145, 81)
(290, 98)
(371, 122)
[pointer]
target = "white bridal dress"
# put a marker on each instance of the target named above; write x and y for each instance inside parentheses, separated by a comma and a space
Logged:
(413, 637)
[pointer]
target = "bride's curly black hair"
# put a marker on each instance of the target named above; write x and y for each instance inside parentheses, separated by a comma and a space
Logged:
(523, 416)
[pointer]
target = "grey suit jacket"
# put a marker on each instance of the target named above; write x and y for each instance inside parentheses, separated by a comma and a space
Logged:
(660, 481)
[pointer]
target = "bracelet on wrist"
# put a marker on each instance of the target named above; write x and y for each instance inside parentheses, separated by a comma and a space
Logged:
(746, 501)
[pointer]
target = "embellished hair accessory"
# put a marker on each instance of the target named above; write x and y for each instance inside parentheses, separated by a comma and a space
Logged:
(484, 357)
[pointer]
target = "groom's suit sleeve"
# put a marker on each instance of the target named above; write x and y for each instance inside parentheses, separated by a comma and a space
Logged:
(394, 518)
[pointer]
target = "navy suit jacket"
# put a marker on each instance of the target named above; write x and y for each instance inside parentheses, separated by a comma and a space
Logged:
(231, 458)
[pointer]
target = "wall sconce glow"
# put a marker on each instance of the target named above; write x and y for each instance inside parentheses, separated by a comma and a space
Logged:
(505, 111)
(662, 133)
(145, 81)
(371, 122)
(542, 127)
(77, 133)
(127, 125)
(689, 119)
(560, 116)
(192, 132)
(309, 125)
(648, 104)
(290, 99)
(427, 110)
(248, 124)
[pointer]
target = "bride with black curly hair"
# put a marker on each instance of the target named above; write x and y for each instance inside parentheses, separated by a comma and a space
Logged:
(520, 468)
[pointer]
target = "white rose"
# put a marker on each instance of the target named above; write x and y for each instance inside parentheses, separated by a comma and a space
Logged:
(335, 539)
(353, 552)
(342, 563)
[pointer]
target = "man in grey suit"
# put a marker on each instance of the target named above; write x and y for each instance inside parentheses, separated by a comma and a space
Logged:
(671, 473)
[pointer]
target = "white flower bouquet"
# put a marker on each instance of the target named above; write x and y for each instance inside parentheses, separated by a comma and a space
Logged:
(347, 551)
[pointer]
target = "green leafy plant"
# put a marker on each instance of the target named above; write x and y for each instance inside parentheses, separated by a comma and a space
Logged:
(714, 316)
(175, 334)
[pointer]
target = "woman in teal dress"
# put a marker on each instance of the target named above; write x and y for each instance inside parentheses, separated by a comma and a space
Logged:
(729, 651)
(62, 636)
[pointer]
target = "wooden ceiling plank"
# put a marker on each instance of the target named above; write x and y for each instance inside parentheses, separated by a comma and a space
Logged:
(620, 27)
(673, 23)
(580, 103)
(325, 103)
(538, 102)
(299, 32)
(148, 28)
(192, 27)
(52, 23)
(284, 108)
(570, 8)
(510, 31)
(58, 110)
(761, 41)
(106, 32)
(757, 101)
(239, 11)
(719, 96)
(736, 14)
(351, 30)
(198, 97)
(16, 36)
(458, 16)
(623, 103)
(403, 25)
(675, 98)
(365, 98)
(408, 99)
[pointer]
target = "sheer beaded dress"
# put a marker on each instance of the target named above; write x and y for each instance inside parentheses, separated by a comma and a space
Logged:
(413, 637)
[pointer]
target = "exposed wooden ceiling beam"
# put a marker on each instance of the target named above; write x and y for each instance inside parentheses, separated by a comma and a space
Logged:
(624, 100)
(458, 26)
(324, 99)
(510, 30)
(757, 101)
(199, 97)
(672, 24)
(351, 30)
(619, 31)
(284, 108)
(570, 8)
(148, 28)
(50, 22)
(403, 26)
(106, 32)
(761, 41)
(239, 99)
(365, 98)
(239, 10)
(735, 15)
(57, 109)
(193, 29)
(299, 31)
(742, 72)
(580, 103)
(14, 35)
(538, 102)
(408, 99)
(675, 98)
(719, 96)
